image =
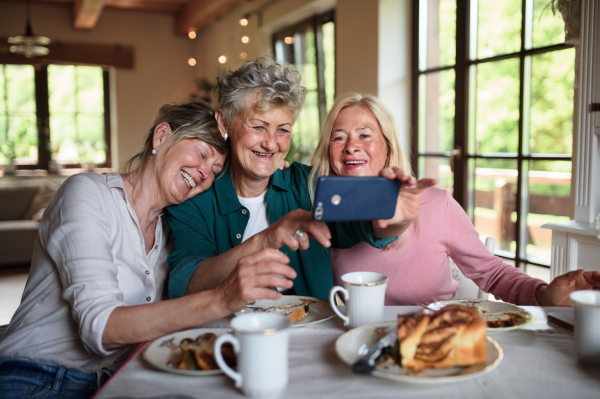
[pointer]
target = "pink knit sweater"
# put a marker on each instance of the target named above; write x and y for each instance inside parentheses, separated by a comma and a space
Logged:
(419, 272)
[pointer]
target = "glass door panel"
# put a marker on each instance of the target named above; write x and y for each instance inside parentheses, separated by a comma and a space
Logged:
(548, 28)
(551, 115)
(497, 107)
(498, 27)
(549, 184)
(436, 110)
(437, 44)
(495, 202)
(437, 167)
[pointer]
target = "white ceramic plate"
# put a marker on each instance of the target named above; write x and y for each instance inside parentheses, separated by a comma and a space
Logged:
(349, 344)
(317, 312)
(159, 351)
(492, 310)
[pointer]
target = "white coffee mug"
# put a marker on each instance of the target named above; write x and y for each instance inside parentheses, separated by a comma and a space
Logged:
(587, 325)
(364, 296)
(260, 341)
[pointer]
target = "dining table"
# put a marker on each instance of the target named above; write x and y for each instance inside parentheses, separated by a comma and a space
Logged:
(538, 361)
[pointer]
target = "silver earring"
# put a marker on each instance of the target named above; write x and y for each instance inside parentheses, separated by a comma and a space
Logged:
(154, 151)
(225, 137)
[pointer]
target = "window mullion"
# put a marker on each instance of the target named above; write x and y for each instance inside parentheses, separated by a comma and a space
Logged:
(461, 102)
(107, 126)
(318, 23)
(43, 116)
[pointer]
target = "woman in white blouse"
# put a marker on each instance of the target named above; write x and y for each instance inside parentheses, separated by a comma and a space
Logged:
(97, 274)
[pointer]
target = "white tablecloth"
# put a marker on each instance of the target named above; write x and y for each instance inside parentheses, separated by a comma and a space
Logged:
(539, 362)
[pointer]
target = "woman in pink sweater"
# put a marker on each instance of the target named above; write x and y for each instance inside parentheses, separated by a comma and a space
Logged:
(359, 138)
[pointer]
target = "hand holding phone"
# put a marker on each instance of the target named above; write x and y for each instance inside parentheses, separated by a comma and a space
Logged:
(340, 198)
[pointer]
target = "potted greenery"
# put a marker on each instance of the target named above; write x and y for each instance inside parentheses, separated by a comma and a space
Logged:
(9, 151)
(570, 12)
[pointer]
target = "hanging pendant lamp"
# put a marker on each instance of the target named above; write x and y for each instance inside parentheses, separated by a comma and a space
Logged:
(28, 44)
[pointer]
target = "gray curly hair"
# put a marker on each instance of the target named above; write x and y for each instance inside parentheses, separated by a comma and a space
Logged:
(276, 84)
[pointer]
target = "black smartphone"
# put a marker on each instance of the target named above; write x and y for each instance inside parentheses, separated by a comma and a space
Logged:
(340, 198)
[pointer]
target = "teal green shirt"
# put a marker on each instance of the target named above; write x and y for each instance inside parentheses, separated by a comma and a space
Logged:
(214, 221)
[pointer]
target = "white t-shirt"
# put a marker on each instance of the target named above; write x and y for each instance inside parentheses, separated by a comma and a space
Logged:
(259, 220)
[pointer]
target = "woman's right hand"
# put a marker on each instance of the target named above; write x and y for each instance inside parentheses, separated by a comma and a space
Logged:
(251, 278)
(282, 232)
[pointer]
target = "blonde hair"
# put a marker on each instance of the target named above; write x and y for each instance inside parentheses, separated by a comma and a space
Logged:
(320, 161)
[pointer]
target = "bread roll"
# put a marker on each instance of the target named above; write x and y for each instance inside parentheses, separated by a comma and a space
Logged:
(453, 336)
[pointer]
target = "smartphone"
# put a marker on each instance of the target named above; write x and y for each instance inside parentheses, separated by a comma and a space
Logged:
(339, 198)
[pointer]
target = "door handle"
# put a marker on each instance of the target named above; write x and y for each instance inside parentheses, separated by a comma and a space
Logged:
(455, 154)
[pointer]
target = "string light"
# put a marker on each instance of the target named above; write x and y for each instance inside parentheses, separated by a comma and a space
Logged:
(243, 22)
(192, 61)
(245, 39)
(243, 55)
(288, 40)
(222, 59)
(192, 35)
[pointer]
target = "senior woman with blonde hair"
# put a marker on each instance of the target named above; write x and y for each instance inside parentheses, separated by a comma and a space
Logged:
(255, 205)
(96, 279)
(360, 139)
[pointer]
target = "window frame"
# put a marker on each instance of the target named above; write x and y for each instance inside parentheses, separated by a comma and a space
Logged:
(316, 22)
(463, 193)
(43, 118)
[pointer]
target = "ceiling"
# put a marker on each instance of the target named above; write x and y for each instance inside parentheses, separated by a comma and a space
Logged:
(189, 15)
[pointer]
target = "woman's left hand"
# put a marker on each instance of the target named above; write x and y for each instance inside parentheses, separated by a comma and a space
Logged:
(408, 205)
(557, 292)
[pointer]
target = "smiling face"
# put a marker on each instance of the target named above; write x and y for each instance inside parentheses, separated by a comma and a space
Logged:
(357, 146)
(186, 169)
(260, 140)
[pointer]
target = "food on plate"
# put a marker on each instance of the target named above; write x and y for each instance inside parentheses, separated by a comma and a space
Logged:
(500, 319)
(452, 336)
(199, 354)
(293, 311)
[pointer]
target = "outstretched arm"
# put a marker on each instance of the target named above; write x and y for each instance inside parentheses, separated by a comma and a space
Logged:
(212, 271)
(408, 205)
(557, 292)
(247, 282)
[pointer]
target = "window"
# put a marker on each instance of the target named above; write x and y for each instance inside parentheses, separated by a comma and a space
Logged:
(18, 130)
(310, 46)
(76, 114)
(494, 116)
(55, 112)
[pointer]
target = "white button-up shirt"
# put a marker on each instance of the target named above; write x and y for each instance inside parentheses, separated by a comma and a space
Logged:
(89, 258)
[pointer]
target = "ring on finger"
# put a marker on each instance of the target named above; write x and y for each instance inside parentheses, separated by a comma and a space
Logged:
(298, 234)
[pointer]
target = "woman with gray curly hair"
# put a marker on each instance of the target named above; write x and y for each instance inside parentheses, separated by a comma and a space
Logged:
(96, 280)
(255, 205)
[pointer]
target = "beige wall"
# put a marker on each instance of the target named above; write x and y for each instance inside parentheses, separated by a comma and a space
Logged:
(161, 73)
(356, 46)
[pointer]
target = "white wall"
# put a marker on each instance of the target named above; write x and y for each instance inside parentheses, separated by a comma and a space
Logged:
(161, 73)
(394, 63)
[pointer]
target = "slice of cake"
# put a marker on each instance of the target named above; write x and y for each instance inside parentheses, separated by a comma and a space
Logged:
(453, 336)
(293, 311)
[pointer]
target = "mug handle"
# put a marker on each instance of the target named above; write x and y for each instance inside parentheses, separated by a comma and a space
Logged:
(334, 306)
(237, 377)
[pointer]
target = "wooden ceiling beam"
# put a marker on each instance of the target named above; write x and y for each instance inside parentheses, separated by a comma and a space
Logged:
(86, 13)
(196, 14)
